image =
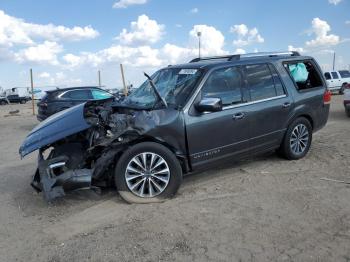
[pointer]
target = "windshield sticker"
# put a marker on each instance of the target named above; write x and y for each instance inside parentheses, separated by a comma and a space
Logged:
(188, 71)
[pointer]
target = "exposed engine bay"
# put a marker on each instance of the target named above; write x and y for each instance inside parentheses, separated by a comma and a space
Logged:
(87, 159)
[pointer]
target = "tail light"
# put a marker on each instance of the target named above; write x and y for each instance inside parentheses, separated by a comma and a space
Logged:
(327, 96)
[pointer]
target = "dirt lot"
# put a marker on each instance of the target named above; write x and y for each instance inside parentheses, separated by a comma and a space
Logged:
(261, 209)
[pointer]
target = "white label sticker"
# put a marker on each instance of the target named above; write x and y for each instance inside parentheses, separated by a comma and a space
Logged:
(187, 71)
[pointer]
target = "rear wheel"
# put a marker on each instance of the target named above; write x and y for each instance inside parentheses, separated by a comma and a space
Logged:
(347, 111)
(23, 101)
(147, 172)
(2, 102)
(297, 140)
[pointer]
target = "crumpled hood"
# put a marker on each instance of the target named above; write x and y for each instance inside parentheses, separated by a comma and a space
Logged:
(54, 128)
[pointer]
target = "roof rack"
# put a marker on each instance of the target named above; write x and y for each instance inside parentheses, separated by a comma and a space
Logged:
(249, 55)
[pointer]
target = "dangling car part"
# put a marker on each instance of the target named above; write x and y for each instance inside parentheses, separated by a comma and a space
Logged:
(182, 119)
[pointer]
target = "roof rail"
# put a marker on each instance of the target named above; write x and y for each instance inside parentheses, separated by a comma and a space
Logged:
(228, 57)
(238, 57)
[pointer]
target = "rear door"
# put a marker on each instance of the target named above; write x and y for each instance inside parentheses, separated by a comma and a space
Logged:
(270, 106)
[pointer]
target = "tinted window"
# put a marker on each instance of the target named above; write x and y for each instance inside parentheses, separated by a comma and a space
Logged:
(304, 74)
(260, 81)
(77, 95)
(327, 76)
(278, 83)
(100, 94)
(335, 75)
(226, 84)
(344, 73)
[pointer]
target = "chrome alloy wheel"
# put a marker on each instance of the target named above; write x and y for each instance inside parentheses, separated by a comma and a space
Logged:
(299, 139)
(147, 175)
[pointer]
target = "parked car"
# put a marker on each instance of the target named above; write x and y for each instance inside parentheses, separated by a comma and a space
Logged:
(347, 99)
(183, 119)
(60, 99)
(3, 100)
(337, 80)
(18, 99)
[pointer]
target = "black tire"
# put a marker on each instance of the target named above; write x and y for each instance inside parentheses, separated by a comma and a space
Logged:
(347, 111)
(2, 102)
(341, 90)
(286, 148)
(172, 186)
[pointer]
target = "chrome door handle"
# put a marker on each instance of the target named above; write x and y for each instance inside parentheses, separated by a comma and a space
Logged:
(286, 104)
(238, 116)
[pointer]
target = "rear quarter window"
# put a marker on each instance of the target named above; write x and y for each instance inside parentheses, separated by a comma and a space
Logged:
(304, 74)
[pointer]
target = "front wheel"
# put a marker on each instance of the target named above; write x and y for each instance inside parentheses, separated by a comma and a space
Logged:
(297, 140)
(147, 172)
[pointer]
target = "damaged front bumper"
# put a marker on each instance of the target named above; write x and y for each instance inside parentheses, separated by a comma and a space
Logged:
(53, 179)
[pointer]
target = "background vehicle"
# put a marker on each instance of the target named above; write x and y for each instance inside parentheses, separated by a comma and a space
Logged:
(3, 100)
(183, 119)
(60, 99)
(17, 95)
(347, 99)
(337, 80)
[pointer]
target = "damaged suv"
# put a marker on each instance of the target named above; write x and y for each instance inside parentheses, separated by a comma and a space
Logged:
(184, 118)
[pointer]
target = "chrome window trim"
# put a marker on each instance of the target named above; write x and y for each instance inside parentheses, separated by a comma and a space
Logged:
(254, 102)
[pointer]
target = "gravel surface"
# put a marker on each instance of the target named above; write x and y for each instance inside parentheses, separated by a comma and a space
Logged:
(260, 209)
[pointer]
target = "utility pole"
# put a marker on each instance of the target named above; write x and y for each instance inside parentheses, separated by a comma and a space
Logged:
(199, 34)
(124, 85)
(99, 78)
(32, 88)
(334, 61)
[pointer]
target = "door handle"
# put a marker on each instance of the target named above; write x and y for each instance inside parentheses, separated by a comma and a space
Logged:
(238, 116)
(286, 104)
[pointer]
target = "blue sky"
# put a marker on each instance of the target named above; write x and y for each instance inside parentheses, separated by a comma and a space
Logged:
(66, 43)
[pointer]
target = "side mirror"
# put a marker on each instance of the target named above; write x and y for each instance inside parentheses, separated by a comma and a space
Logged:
(209, 105)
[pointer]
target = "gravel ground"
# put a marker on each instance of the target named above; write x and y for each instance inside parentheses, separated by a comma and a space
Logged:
(260, 209)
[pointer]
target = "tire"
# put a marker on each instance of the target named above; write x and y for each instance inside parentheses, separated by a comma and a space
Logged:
(292, 147)
(152, 188)
(3, 103)
(22, 101)
(341, 90)
(347, 111)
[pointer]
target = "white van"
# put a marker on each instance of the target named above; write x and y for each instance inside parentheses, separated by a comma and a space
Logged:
(337, 80)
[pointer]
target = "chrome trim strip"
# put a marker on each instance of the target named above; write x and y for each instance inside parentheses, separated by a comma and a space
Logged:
(254, 102)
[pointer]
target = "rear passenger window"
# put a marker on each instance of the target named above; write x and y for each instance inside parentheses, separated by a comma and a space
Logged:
(278, 83)
(304, 74)
(327, 76)
(335, 75)
(226, 84)
(261, 82)
(78, 95)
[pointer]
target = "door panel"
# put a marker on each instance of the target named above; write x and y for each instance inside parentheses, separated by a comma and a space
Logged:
(217, 135)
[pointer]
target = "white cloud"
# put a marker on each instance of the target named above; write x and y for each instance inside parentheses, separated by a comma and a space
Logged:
(321, 29)
(178, 25)
(239, 51)
(145, 56)
(194, 10)
(298, 49)
(143, 31)
(126, 3)
(246, 36)
(347, 22)
(44, 75)
(15, 31)
(42, 53)
(334, 2)
(212, 40)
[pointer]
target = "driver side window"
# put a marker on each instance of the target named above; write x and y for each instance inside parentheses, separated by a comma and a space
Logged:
(225, 83)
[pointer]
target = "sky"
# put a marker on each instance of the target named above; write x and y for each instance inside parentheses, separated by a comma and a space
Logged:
(67, 42)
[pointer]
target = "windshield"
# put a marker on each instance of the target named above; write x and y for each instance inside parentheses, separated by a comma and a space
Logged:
(173, 84)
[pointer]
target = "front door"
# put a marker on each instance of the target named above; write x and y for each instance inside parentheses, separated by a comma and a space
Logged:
(216, 135)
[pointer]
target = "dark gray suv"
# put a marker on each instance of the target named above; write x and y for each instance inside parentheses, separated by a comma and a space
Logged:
(185, 118)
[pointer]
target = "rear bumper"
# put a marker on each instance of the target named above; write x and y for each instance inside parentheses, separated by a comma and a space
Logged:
(53, 186)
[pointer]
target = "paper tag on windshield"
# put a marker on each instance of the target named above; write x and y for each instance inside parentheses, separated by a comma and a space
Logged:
(188, 71)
